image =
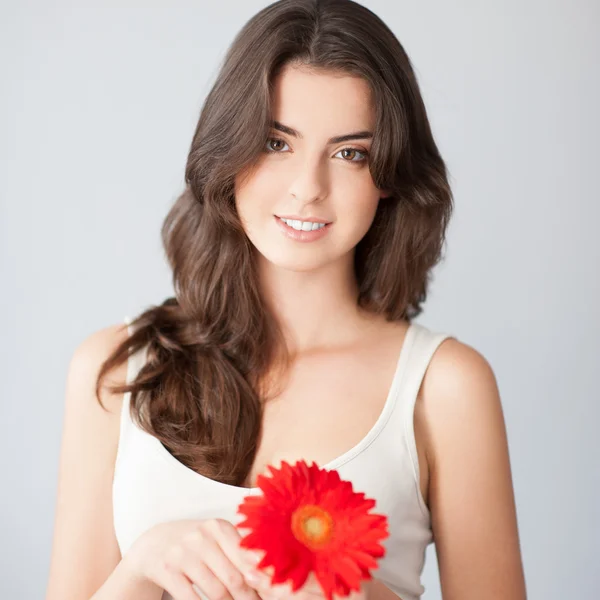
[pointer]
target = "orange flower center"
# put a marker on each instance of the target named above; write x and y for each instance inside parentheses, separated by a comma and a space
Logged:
(312, 526)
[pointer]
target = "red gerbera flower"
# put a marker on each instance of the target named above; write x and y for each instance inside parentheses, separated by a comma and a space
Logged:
(308, 519)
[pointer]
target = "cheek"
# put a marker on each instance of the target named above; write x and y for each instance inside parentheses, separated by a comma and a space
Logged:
(256, 193)
(356, 190)
(358, 208)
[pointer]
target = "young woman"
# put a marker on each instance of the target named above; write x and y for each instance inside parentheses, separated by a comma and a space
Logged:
(315, 207)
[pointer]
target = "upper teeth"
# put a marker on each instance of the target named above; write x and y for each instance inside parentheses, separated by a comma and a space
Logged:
(303, 225)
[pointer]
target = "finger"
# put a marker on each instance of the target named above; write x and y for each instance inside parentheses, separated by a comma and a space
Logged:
(312, 586)
(229, 539)
(278, 592)
(310, 590)
(284, 591)
(203, 580)
(227, 573)
(261, 581)
(177, 585)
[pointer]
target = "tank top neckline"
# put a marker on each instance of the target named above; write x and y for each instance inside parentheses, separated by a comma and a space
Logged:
(340, 460)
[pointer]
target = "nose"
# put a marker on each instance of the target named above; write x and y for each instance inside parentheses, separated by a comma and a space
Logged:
(309, 182)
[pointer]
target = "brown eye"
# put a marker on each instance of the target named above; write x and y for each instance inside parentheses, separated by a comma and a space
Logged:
(352, 152)
(270, 144)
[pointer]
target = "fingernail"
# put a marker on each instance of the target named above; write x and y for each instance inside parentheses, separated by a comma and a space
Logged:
(254, 558)
(252, 577)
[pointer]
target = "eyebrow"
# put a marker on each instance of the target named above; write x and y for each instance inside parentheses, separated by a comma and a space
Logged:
(357, 135)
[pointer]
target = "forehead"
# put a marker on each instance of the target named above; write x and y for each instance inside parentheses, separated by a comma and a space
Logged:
(321, 101)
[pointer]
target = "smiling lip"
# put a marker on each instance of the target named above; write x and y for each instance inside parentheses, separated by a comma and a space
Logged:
(311, 219)
(300, 235)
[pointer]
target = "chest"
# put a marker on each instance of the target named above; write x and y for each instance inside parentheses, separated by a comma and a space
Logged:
(328, 405)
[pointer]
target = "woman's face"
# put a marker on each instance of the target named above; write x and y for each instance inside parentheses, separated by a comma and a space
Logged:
(306, 177)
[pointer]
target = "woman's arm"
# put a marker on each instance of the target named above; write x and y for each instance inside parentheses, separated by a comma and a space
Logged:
(471, 496)
(85, 552)
(120, 585)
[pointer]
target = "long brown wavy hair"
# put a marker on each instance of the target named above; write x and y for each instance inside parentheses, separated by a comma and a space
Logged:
(212, 345)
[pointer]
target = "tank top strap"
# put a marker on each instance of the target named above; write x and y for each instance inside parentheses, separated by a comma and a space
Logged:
(423, 344)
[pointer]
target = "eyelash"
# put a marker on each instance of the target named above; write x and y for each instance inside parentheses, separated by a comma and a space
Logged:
(363, 152)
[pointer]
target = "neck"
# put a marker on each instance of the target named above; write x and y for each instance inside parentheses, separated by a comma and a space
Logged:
(316, 309)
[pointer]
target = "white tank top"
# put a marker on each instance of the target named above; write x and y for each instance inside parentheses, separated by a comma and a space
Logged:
(151, 486)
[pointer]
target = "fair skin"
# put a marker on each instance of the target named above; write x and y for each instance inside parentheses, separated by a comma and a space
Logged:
(461, 439)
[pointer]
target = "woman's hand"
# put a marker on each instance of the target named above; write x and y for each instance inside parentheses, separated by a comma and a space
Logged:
(190, 556)
(311, 590)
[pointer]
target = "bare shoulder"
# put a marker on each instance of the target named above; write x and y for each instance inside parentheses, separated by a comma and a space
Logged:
(459, 390)
(87, 360)
(84, 547)
(471, 496)
(457, 368)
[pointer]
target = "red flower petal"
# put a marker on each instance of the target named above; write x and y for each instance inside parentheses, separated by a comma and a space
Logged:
(310, 520)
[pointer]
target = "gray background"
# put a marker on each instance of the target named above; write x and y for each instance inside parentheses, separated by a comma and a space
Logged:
(98, 106)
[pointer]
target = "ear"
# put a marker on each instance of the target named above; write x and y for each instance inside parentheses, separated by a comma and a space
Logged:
(385, 194)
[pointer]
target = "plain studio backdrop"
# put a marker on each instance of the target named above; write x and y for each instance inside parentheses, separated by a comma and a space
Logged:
(98, 106)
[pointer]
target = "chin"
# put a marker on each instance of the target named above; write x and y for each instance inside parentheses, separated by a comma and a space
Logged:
(300, 266)
(296, 261)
